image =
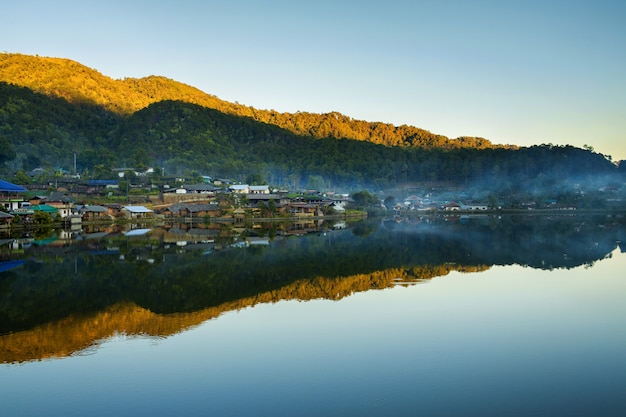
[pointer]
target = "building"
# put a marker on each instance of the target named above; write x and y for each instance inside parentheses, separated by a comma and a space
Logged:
(137, 212)
(240, 188)
(11, 196)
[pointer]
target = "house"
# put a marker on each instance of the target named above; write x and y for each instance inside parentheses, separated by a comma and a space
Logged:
(259, 189)
(255, 199)
(36, 200)
(202, 188)
(11, 195)
(474, 207)
(101, 186)
(192, 210)
(61, 202)
(45, 208)
(221, 181)
(451, 206)
(338, 206)
(136, 212)
(240, 188)
(5, 218)
(301, 209)
(413, 201)
(93, 212)
(113, 209)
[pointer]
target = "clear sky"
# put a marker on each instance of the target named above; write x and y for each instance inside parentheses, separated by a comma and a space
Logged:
(524, 72)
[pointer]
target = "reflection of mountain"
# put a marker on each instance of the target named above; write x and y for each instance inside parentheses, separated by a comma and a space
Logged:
(157, 274)
(79, 332)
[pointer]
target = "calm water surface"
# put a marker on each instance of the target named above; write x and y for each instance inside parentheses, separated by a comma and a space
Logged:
(469, 338)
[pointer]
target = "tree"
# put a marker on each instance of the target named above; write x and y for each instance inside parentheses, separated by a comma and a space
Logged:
(7, 151)
(42, 218)
(255, 179)
(364, 199)
(21, 178)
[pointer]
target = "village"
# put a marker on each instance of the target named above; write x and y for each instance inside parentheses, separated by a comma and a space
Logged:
(72, 201)
(219, 200)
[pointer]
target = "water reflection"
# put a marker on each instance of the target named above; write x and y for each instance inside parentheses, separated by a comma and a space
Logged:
(63, 292)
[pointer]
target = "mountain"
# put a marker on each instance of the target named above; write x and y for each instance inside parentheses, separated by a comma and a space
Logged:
(78, 84)
(53, 110)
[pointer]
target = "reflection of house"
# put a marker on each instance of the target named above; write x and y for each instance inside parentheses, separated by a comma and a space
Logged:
(257, 241)
(239, 214)
(136, 212)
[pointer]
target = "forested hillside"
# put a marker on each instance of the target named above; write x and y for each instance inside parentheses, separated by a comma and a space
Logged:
(53, 109)
(78, 84)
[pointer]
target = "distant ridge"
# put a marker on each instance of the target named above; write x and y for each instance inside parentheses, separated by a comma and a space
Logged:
(78, 84)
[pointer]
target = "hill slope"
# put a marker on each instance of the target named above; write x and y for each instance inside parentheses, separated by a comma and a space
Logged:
(78, 84)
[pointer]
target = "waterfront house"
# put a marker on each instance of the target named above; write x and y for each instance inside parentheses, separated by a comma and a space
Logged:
(136, 212)
(93, 212)
(61, 202)
(191, 210)
(11, 197)
(113, 209)
(302, 209)
(451, 206)
(5, 218)
(474, 207)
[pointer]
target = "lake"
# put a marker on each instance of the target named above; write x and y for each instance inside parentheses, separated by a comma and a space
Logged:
(434, 316)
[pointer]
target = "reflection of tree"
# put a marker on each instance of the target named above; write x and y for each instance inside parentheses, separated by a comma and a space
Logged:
(364, 228)
(170, 280)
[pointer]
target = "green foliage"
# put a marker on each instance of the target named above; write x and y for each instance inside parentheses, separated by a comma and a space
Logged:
(77, 84)
(363, 199)
(51, 108)
(42, 218)
(21, 178)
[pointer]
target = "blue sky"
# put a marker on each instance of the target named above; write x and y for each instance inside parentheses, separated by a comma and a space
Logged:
(522, 73)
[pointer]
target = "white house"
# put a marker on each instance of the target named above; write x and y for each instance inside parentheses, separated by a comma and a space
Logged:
(259, 189)
(137, 212)
(240, 188)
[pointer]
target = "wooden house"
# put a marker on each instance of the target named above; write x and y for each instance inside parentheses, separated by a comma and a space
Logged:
(93, 213)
